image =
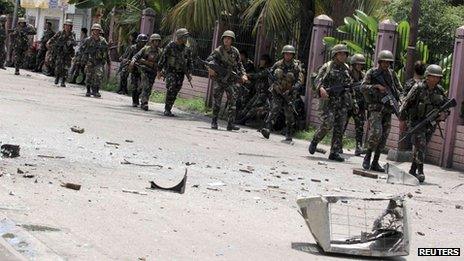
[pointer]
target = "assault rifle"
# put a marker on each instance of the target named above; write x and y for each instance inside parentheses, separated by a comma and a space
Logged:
(390, 98)
(339, 89)
(287, 97)
(220, 71)
(431, 118)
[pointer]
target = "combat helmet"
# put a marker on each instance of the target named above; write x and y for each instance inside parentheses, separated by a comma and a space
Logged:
(288, 49)
(434, 70)
(339, 48)
(182, 32)
(155, 37)
(68, 22)
(358, 59)
(385, 55)
(21, 20)
(228, 33)
(96, 27)
(142, 38)
(2, 18)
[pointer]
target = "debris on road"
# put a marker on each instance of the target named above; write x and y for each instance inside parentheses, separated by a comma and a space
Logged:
(320, 150)
(322, 163)
(10, 150)
(77, 129)
(315, 180)
(134, 192)
(457, 186)
(188, 163)
(112, 143)
(28, 176)
(179, 188)
(398, 176)
(71, 186)
(141, 164)
(420, 233)
(273, 186)
(50, 157)
(364, 230)
(246, 170)
(365, 173)
(11, 193)
(129, 141)
(214, 189)
(20, 171)
(30, 165)
(458, 207)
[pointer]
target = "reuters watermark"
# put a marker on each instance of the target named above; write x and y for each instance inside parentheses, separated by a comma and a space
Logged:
(439, 251)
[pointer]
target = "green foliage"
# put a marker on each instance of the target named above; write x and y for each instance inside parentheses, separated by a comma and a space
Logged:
(6, 7)
(438, 21)
(195, 105)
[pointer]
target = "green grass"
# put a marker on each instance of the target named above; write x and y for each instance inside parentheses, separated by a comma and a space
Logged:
(110, 85)
(195, 105)
(308, 134)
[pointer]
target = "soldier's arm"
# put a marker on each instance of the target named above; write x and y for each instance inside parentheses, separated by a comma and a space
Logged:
(319, 81)
(31, 30)
(241, 69)
(163, 58)
(409, 100)
(138, 55)
(301, 79)
(367, 81)
(53, 40)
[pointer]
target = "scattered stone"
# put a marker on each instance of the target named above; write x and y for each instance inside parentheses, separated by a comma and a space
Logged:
(420, 233)
(214, 189)
(291, 179)
(77, 129)
(273, 186)
(284, 172)
(327, 180)
(134, 192)
(409, 195)
(246, 170)
(50, 157)
(28, 176)
(208, 166)
(300, 178)
(364, 173)
(278, 176)
(20, 171)
(247, 190)
(71, 186)
(30, 165)
(12, 193)
(112, 143)
(417, 192)
(189, 163)
(315, 180)
(322, 163)
(10, 150)
(195, 186)
(129, 141)
(457, 186)
(458, 207)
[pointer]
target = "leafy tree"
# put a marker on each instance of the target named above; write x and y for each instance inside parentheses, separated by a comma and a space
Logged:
(6, 7)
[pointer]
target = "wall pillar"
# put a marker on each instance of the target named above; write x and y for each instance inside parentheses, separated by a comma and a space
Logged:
(263, 44)
(147, 22)
(386, 38)
(322, 27)
(218, 29)
(455, 91)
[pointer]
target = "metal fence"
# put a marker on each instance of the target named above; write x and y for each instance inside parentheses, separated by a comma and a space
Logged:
(201, 48)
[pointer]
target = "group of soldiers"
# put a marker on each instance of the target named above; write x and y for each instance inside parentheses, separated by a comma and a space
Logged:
(345, 91)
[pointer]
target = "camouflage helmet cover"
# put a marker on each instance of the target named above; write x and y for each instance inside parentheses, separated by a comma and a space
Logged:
(358, 59)
(21, 20)
(141, 38)
(68, 22)
(434, 70)
(228, 33)
(155, 37)
(182, 32)
(385, 55)
(288, 49)
(2, 18)
(96, 27)
(339, 48)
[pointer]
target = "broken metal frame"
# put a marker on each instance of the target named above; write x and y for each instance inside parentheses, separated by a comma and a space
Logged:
(340, 226)
(179, 188)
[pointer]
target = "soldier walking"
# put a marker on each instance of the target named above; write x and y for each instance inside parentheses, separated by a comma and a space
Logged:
(95, 53)
(334, 105)
(78, 64)
(228, 57)
(424, 96)
(126, 58)
(289, 79)
(379, 83)
(175, 62)
(21, 41)
(146, 61)
(47, 35)
(357, 109)
(2, 41)
(63, 44)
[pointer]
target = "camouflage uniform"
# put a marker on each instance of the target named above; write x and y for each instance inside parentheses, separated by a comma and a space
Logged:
(228, 59)
(245, 91)
(259, 104)
(379, 113)
(175, 62)
(62, 44)
(408, 86)
(95, 55)
(2, 42)
(287, 76)
(150, 55)
(47, 35)
(21, 42)
(77, 68)
(135, 74)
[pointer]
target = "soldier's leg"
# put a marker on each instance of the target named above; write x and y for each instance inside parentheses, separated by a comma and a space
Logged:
(136, 81)
(289, 121)
(339, 119)
(147, 80)
(359, 130)
(97, 79)
(386, 121)
(40, 60)
(275, 109)
(231, 111)
(58, 69)
(64, 72)
(19, 56)
(327, 121)
(419, 141)
(218, 92)
(123, 75)
(2, 56)
(88, 81)
(72, 73)
(175, 84)
(375, 134)
(82, 72)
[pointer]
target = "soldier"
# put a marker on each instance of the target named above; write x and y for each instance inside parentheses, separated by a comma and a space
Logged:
(78, 64)
(425, 96)
(379, 112)
(246, 91)
(126, 58)
(259, 104)
(419, 70)
(334, 105)
(289, 79)
(95, 53)
(146, 60)
(21, 41)
(47, 35)
(175, 62)
(228, 57)
(357, 109)
(2, 41)
(63, 44)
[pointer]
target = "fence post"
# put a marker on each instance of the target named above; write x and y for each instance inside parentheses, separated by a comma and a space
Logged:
(147, 22)
(322, 27)
(386, 38)
(455, 91)
(218, 28)
(263, 45)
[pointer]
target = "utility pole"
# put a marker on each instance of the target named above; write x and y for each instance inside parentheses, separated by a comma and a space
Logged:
(15, 14)
(414, 23)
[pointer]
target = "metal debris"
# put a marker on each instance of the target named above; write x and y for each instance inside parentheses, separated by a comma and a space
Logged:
(71, 186)
(77, 129)
(10, 150)
(315, 180)
(129, 141)
(398, 176)
(141, 164)
(358, 226)
(179, 188)
(365, 173)
(28, 176)
(246, 170)
(112, 143)
(134, 192)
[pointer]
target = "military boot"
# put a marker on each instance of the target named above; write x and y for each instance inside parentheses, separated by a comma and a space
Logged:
(413, 168)
(243, 120)
(88, 93)
(63, 82)
(57, 80)
(336, 157)
(375, 166)
(135, 98)
(367, 160)
(144, 106)
(266, 131)
(96, 92)
(420, 173)
(231, 126)
(16, 71)
(288, 135)
(214, 124)
(167, 113)
(312, 147)
(358, 151)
